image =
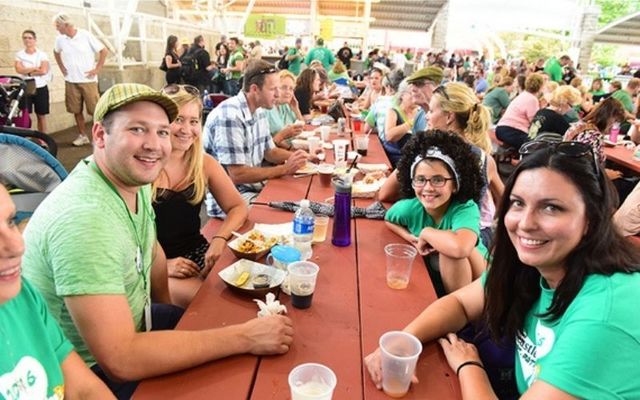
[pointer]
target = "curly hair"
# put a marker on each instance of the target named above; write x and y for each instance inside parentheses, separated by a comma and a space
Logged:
(466, 160)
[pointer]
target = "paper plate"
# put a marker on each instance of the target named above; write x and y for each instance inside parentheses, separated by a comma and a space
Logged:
(230, 274)
(269, 242)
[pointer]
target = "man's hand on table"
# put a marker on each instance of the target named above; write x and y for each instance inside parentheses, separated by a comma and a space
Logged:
(182, 268)
(295, 161)
(269, 335)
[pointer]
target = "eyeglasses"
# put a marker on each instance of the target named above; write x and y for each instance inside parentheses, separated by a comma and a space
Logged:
(270, 70)
(572, 149)
(175, 88)
(442, 91)
(420, 181)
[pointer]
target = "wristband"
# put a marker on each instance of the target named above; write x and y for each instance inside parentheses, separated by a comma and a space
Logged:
(464, 364)
(219, 237)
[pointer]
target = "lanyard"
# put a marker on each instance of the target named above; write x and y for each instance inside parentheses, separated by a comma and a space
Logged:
(139, 261)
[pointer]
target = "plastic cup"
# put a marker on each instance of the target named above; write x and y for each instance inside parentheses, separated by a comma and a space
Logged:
(400, 351)
(325, 132)
(302, 282)
(340, 149)
(357, 124)
(399, 261)
(362, 145)
(320, 227)
(314, 144)
(325, 171)
(312, 382)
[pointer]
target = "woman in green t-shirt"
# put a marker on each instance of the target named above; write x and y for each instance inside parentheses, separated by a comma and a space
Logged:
(441, 182)
(284, 117)
(36, 360)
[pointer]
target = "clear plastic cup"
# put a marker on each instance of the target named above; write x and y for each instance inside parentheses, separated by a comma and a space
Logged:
(302, 282)
(314, 144)
(312, 382)
(399, 261)
(325, 132)
(400, 352)
(362, 144)
(320, 227)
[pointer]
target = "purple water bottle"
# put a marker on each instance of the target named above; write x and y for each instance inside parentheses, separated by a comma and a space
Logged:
(341, 235)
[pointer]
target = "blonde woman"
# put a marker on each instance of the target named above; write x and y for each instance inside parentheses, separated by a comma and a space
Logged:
(551, 119)
(455, 108)
(178, 193)
(283, 116)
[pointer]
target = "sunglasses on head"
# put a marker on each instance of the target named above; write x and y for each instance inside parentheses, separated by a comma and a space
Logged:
(270, 70)
(175, 88)
(572, 149)
(442, 91)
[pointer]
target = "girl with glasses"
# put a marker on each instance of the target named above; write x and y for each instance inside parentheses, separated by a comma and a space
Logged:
(178, 193)
(440, 181)
(563, 283)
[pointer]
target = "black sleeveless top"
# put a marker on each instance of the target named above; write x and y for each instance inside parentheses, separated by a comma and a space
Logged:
(177, 222)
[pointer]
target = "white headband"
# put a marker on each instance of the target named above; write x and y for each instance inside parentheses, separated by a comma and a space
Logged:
(435, 152)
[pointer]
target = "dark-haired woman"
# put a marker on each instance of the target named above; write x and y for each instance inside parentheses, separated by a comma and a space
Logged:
(307, 84)
(441, 174)
(171, 60)
(563, 283)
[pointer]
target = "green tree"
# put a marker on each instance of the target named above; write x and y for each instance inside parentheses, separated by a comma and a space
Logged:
(610, 10)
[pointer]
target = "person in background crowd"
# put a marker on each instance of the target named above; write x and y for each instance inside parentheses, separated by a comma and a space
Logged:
(345, 55)
(171, 61)
(237, 135)
(183, 49)
(627, 218)
(551, 120)
(440, 182)
(423, 82)
(204, 67)
(37, 359)
(513, 126)
(75, 51)
(554, 67)
(562, 283)
(102, 295)
(597, 89)
(34, 63)
(626, 96)
(498, 98)
(284, 115)
(178, 194)
(307, 84)
(222, 59)
(481, 84)
(373, 89)
(295, 57)
(321, 54)
(256, 51)
(234, 68)
(398, 123)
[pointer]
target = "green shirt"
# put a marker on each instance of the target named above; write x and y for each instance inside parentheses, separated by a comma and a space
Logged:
(32, 349)
(279, 117)
(334, 77)
(233, 60)
(554, 69)
(410, 213)
(294, 65)
(625, 98)
(324, 55)
(592, 351)
(82, 240)
(497, 100)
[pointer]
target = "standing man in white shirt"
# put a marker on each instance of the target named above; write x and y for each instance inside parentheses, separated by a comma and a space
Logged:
(74, 52)
(34, 63)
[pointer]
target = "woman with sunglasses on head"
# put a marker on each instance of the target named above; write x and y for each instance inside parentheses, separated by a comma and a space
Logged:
(440, 182)
(563, 283)
(36, 360)
(178, 193)
(455, 108)
(283, 117)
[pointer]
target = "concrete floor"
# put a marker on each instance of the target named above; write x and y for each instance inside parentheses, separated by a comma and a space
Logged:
(68, 154)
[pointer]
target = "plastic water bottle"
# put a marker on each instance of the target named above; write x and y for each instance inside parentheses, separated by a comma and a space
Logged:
(613, 133)
(303, 222)
(206, 100)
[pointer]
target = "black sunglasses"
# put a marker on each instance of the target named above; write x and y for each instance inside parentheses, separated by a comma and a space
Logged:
(442, 91)
(175, 88)
(270, 70)
(572, 149)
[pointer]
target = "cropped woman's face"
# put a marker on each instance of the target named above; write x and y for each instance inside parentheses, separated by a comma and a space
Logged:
(316, 82)
(186, 126)
(376, 81)
(437, 118)
(11, 249)
(287, 85)
(546, 219)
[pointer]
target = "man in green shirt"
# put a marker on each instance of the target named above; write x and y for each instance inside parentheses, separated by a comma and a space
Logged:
(235, 67)
(322, 54)
(625, 96)
(294, 57)
(553, 67)
(93, 254)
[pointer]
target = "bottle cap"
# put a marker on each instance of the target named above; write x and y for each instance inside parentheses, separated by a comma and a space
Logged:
(304, 203)
(286, 254)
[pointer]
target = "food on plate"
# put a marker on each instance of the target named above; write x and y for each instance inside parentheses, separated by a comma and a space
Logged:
(242, 279)
(256, 242)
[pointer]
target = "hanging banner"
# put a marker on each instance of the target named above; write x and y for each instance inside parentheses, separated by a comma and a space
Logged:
(326, 29)
(265, 26)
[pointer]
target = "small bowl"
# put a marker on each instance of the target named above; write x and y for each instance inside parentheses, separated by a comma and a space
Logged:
(258, 273)
(254, 255)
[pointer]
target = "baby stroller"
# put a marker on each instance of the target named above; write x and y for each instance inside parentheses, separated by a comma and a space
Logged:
(13, 110)
(27, 170)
